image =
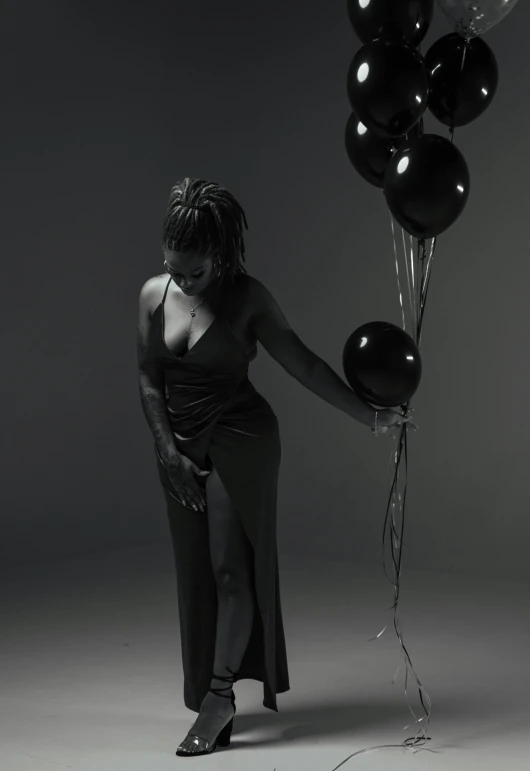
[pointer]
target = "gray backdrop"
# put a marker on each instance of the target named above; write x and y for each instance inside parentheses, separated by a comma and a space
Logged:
(107, 105)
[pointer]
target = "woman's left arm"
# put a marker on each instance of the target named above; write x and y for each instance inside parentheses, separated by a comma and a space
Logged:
(274, 332)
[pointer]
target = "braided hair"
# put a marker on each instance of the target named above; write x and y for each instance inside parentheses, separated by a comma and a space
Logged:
(201, 216)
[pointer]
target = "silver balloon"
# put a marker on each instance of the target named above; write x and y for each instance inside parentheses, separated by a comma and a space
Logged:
(471, 18)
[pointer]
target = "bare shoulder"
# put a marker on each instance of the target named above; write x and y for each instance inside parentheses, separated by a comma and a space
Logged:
(248, 282)
(254, 290)
(151, 292)
(252, 296)
(260, 300)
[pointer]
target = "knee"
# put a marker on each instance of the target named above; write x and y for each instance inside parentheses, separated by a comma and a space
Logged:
(230, 582)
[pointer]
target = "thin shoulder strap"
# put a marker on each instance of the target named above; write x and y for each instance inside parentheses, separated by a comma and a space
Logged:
(165, 293)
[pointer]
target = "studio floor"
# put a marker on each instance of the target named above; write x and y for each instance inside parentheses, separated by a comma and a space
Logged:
(91, 675)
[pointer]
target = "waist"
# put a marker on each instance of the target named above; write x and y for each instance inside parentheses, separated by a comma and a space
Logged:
(207, 399)
(246, 400)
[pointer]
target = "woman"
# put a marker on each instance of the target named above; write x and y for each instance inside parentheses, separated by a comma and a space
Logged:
(217, 447)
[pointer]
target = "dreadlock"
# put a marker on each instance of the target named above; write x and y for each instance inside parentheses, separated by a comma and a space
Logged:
(216, 225)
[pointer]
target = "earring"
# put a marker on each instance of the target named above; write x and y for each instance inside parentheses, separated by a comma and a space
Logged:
(217, 268)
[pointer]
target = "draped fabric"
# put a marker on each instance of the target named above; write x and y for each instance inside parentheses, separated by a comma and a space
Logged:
(219, 419)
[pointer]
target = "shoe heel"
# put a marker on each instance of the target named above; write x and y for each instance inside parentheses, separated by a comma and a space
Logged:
(223, 740)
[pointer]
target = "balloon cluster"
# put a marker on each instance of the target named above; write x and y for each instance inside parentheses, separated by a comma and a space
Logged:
(425, 181)
(390, 84)
(424, 177)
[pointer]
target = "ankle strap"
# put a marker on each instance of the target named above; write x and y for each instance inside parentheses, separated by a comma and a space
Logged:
(230, 679)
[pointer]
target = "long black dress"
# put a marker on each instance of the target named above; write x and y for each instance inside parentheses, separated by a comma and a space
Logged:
(219, 418)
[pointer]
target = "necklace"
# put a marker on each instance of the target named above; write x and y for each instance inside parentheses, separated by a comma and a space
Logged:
(192, 310)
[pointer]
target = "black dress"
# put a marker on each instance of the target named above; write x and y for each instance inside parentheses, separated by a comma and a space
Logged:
(219, 418)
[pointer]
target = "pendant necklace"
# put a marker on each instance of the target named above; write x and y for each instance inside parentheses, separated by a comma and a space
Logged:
(192, 310)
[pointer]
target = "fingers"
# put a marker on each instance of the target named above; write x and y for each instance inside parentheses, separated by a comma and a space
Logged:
(193, 498)
(399, 424)
(201, 471)
(188, 503)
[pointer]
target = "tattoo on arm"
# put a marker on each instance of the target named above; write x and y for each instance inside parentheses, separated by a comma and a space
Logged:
(153, 401)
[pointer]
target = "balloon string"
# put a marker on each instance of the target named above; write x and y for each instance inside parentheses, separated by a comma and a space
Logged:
(425, 287)
(397, 272)
(418, 278)
(416, 305)
(410, 278)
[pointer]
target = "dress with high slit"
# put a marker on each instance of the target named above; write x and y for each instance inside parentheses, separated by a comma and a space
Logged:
(219, 419)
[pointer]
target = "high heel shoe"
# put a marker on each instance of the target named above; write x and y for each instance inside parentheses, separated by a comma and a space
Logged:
(223, 738)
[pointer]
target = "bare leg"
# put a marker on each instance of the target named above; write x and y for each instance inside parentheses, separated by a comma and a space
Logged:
(232, 565)
(231, 555)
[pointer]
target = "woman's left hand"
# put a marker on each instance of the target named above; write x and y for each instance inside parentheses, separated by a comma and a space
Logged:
(393, 418)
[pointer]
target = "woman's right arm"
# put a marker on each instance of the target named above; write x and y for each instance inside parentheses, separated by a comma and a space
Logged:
(151, 379)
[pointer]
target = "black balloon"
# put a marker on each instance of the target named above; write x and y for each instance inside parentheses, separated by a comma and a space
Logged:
(427, 185)
(388, 87)
(399, 20)
(382, 364)
(368, 153)
(459, 94)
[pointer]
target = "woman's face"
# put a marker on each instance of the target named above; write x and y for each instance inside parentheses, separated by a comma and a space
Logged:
(192, 271)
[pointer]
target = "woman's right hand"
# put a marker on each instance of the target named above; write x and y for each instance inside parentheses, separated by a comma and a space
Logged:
(181, 474)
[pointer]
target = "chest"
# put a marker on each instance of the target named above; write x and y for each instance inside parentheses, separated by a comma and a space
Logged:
(183, 329)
